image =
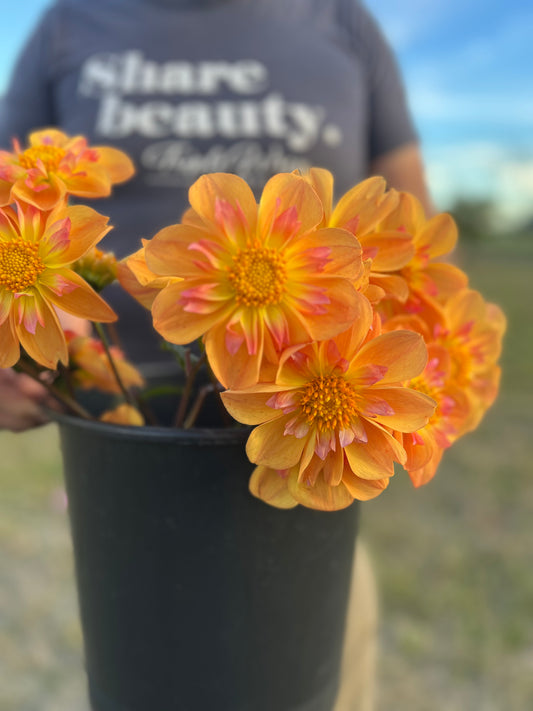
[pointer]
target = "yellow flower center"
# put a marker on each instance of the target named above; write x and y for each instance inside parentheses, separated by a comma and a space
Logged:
(421, 385)
(51, 156)
(258, 276)
(329, 402)
(20, 265)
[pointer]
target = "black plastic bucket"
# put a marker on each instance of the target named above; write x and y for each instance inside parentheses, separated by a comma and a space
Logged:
(194, 595)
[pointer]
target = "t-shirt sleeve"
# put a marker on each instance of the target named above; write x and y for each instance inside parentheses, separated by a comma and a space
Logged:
(28, 101)
(390, 123)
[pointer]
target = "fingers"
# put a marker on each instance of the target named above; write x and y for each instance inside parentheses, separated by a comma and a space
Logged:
(21, 402)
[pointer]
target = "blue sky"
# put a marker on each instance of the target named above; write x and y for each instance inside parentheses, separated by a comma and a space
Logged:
(467, 67)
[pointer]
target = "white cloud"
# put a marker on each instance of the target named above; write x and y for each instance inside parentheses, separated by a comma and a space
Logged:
(482, 170)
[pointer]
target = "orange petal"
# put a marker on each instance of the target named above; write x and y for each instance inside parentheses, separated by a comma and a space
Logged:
(375, 458)
(421, 476)
(319, 496)
(177, 325)
(129, 282)
(350, 340)
(124, 414)
(270, 486)
(367, 203)
(136, 263)
(205, 192)
(47, 135)
(334, 467)
(408, 214)
(392, 286)
(192, 218)
(391, 250)
(267, 444)
(420, 450)
(88, 227)
(53, 192)
(47, 345)
(117, 164)
(363, 489)
(322, 182)
(344, 258)
(440, 234)
(412, 409)
(93, 182)
(237, 371)
(82, 301)
(9, 345)
(5, 192)
(249, 406)
(404, 354)
(283, 192)
(346, 306)
(447, 278)
(168, 253)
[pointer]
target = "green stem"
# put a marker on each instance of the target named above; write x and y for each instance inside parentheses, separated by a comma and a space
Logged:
(103, 337)
(197, 406)
(62, 397)
(192, 372)
(128, 395)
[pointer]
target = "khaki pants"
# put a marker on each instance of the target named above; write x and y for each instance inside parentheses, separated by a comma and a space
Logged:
(357, 686)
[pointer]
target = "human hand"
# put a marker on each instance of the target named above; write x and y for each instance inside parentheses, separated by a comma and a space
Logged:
(21, 401)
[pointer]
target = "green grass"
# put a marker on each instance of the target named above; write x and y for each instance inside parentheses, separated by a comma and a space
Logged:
(454, 559)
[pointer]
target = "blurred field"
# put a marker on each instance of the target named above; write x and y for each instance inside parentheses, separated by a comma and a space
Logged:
(454, 559)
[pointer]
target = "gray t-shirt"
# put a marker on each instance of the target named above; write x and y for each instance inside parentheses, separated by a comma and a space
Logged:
(252, 87)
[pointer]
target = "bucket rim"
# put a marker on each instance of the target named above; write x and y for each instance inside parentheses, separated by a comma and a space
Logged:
(153, 433)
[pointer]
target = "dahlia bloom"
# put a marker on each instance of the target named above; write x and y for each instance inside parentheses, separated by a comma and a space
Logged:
(363, 211)
(124, 414)
(464, 338)
(55, 165)
(471, 332)
(425, 447)
(423, 275)
(91, 368)
(256, 279)
(328, 426)
(36, 254)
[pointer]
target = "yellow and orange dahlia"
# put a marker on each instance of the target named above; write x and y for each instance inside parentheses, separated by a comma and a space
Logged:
(363, 211)
(424, 275)
(471, 332)
(91, 368)
(328, 426)
(256, 278)
(36, 253)
(55, 165)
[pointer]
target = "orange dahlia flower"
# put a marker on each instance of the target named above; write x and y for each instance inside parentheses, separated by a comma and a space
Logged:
(425, 447)
(327, 427)
(471, 332)
(36, 253)
(55, 165)
(91, 368)
(124, 414)
(423, 275)
(255, 278)
(363, 211)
